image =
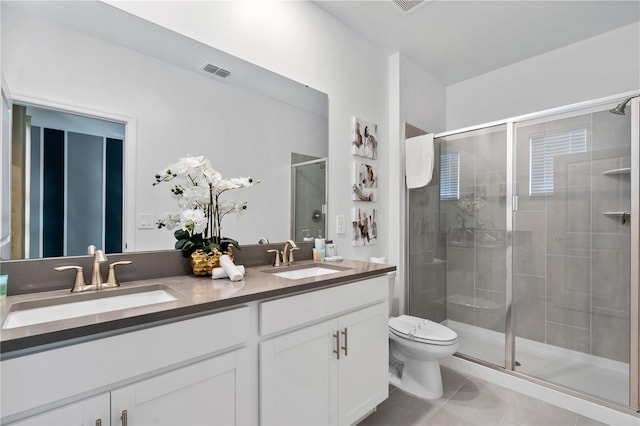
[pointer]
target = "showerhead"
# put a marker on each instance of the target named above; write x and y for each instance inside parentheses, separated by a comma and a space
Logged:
(619, 109)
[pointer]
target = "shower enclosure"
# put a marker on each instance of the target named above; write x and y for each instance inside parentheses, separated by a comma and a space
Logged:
(526, 244)
(308, 197)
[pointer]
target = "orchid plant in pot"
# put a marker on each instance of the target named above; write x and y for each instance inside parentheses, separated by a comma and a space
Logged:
(198, 189)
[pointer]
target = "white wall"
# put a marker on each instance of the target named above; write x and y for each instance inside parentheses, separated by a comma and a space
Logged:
(423, 98)
(302, 42)
(600, 66)
(177, 113)
(419, 99)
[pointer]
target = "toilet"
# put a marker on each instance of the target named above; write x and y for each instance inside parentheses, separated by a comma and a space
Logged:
(416, 346)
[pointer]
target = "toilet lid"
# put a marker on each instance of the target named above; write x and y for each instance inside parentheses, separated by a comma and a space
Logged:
(422, 330)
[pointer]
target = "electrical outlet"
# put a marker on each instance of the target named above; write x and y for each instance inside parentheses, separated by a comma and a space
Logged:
(340, 224)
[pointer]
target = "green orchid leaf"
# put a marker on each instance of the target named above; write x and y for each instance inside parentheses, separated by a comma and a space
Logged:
(181, 234)
(226, 242)
(180, 244)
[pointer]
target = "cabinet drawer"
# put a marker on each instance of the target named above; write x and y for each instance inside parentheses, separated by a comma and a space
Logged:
(294, 311)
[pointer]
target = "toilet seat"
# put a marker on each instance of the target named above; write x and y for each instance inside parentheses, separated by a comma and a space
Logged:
(422, 330)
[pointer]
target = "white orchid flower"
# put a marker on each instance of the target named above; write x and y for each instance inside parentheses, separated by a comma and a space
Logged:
(198, 188)
(193, 220)
(170, 220)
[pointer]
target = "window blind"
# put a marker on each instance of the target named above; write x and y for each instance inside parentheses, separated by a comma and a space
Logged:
(543, 149)
(450, 176)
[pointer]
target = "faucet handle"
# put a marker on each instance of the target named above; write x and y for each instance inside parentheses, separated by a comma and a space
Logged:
(112, 279)
(276, 261)
(79, 284)
(291, 250)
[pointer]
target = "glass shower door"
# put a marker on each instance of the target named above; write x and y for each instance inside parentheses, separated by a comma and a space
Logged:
(457, 242)
(571, 251)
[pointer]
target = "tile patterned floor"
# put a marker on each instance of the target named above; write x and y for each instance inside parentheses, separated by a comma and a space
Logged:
(468, 400)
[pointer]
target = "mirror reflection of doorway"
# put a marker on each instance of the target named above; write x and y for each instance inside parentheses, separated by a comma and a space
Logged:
(71, 191)
(309, 192)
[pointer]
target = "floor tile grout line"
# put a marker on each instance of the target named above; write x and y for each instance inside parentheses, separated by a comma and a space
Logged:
(507, 413)
(440, 406)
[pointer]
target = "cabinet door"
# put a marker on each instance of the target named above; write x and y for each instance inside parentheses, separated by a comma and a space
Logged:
(210, 392)
(92, 411)
(298, 377)
(364, 362)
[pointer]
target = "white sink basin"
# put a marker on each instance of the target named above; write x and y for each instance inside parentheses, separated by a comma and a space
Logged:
(297, 274)
(55, 311)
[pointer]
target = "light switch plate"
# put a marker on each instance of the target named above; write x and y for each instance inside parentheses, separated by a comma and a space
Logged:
(340, 225)
(145, 221)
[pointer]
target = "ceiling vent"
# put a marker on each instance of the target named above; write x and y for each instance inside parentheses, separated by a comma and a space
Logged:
(217, 71)
(408, 5)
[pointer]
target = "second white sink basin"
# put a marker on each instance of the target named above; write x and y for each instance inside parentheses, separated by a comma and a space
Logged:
(27, 315)
(297, 274)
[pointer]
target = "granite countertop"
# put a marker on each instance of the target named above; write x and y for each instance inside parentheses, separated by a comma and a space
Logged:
(194, 296)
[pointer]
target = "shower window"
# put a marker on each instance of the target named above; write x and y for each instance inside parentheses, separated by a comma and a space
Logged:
(543, 149)
(450, 176)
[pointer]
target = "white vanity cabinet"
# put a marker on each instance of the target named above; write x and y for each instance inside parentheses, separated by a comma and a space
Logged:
(194, 371)
(314, 357)
(327, 371)
(204, 393)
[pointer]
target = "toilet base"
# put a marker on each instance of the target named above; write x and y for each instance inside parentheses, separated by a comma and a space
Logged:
(421, 379)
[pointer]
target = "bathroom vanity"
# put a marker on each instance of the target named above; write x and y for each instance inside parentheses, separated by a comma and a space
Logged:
(265, 350)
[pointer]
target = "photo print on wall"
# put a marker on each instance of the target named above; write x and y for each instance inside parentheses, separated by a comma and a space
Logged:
(365, 187)
(365, 139)
(365, 226)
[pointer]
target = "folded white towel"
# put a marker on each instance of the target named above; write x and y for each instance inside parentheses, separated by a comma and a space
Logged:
(219, 273)
(419, 160)
(230, 268)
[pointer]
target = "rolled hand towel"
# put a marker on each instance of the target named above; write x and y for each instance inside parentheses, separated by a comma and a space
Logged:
(230, 268)
(218, 273)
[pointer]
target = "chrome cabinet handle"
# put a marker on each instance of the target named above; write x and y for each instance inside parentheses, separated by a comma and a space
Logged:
(124, 417)
(337, 349)
(99, 422)
(346, 342)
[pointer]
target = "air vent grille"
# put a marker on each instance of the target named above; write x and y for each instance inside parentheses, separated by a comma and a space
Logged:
(212, 69)
(408, 5)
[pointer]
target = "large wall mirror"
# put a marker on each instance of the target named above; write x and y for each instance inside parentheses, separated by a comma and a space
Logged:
(93, 60)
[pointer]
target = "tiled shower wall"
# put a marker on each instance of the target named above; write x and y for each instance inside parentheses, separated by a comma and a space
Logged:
(571, 263)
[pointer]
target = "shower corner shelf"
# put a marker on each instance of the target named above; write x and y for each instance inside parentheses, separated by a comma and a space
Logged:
(623, 215)
(621, 171)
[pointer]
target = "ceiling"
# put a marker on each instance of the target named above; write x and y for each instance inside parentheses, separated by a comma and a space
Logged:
(456, 40)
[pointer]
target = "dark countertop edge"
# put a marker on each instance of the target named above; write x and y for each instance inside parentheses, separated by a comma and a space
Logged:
(17, 347)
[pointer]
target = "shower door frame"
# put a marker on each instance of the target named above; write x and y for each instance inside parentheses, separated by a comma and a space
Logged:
(511, 208)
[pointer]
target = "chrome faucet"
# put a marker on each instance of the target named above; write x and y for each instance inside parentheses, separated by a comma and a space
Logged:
(98, 258)
(287, 256)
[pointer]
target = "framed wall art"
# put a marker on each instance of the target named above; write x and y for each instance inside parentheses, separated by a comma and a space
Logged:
(365, 226)
(365, 139)
(365, 182)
